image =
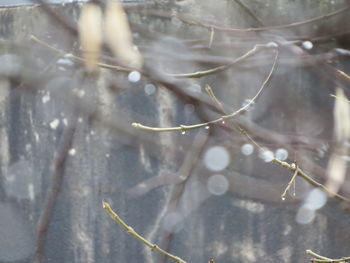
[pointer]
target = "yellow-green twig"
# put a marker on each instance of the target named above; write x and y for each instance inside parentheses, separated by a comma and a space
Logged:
(133, 233)
(290, 166)
(246, 55)
(321, 259)
(296, 172)
(242, 110)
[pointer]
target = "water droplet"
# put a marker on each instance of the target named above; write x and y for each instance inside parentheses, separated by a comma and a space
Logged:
(216, 158)
(207, 127)
(54, 124)
(266, 155)
(217, 184)
(183, 132)
(307, 45)
(72, 152)
(223, 122)
(281, 154)
(150, 89)
(283, 198)
(247, 149)
(134, 76)
(294, 183)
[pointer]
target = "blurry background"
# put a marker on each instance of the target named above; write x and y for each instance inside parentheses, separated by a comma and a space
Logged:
(66, 140)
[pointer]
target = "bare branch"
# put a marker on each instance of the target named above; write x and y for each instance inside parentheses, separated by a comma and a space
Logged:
(321, 259)
(133, 233)
(245, 108)
(196, 22)
(218, 69)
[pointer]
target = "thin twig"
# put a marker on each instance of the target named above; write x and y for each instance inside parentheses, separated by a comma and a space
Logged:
(211, 94)
(322, 187)
(245, 108)
(211, 39)
(197, 22)
(343, 74)
(290, 166)
(56, 185)
(77, 58)
(296, 172)
(203, 73)
(249, 12)
(58, 17)
(321, 259)
(133, 233)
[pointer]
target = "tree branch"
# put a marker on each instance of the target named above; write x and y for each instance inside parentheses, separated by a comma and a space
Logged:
(133, 233)
(245, 108)
(321, 259)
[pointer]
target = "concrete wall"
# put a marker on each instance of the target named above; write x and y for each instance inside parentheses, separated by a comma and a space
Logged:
(50, 108)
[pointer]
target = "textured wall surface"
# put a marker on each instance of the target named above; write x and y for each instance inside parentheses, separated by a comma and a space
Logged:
(66, 140)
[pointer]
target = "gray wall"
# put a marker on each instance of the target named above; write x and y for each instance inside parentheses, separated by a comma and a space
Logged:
(50, 109)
